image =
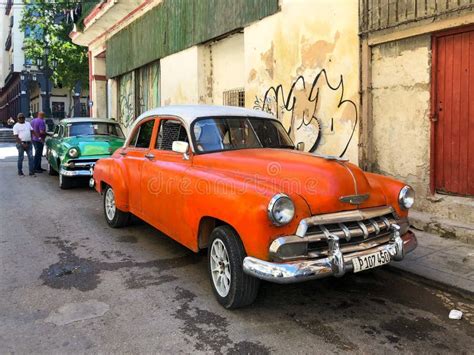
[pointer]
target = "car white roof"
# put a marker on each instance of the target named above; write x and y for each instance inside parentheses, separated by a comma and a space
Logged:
(188, 113)
(86, 119)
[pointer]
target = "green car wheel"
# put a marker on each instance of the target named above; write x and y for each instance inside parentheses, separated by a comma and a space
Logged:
(65, 182)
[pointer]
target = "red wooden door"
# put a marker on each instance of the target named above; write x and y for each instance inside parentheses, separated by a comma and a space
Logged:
(453, 113)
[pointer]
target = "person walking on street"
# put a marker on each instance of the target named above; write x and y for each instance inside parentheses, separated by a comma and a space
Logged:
(23, 132)
(39, 127)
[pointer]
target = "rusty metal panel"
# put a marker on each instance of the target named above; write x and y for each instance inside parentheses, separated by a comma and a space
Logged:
(383, 14)
(175, 25)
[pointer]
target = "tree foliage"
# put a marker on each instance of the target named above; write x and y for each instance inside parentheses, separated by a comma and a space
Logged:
(44, 24)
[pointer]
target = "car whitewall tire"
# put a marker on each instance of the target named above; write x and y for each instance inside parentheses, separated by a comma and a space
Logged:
(110, 209)
(114, 217)
(231, 286)
(220, 267)
(64, 182)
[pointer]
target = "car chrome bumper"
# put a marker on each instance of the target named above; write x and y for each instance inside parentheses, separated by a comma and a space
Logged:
(74, 173)
(336, 264)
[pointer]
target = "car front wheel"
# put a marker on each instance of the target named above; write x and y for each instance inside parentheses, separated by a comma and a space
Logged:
(65, 182)
(232, 287)
(114, 217)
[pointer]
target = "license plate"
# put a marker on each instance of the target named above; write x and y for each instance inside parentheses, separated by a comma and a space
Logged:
(370, 261)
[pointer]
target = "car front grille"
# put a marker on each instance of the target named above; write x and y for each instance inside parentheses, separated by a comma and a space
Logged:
(356, 230)
(350, 234)
(81, 164)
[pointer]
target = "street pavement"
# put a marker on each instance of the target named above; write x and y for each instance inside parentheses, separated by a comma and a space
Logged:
(71, 284)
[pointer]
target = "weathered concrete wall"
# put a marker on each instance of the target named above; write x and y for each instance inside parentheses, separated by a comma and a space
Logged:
(180, 78)
(400, 132)
(400, 106)
(228, 66)
(202, 73)
(303, 65)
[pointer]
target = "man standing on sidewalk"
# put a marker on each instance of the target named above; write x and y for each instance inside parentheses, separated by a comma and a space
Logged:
(39, 127)
(23, 131)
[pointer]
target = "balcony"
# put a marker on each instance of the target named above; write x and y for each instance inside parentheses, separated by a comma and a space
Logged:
(99, 16)
(8, 42)
(8, 7)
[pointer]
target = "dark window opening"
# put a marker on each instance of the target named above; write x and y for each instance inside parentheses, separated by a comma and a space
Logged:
(170, 131)
(234, 97)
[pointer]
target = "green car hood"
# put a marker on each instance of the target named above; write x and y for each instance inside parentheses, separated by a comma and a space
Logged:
(95, 145)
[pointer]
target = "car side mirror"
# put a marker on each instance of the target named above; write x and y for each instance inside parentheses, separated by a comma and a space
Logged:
(300, 146)
(181, 147)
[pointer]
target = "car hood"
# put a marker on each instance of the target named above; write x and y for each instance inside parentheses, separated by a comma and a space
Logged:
(325, 184)
(95, 145)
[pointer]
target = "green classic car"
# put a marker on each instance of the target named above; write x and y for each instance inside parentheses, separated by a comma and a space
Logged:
(77, 143)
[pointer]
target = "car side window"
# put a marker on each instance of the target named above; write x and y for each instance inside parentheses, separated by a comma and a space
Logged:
(170, 131)
(142, 137)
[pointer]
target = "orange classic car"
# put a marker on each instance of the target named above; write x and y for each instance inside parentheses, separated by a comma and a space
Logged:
(230, 180)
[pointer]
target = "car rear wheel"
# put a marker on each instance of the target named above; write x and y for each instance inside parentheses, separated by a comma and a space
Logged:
(114, 217)
(232, 287)
(65, 182)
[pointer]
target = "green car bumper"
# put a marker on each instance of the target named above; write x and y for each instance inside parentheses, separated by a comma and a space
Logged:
(79, 167)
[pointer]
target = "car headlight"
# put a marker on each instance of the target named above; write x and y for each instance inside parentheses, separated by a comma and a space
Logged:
(406, 198)
(281, 210)
(73, 152)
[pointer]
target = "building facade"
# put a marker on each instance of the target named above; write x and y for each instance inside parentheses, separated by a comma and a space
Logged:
(287, 57)
(25, 87)
(346, 77)
(418, 105)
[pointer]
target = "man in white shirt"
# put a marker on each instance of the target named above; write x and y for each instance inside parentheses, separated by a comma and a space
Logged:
(23, 131)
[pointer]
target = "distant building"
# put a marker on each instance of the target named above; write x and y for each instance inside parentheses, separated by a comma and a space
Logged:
(23, 86)
(145, 54)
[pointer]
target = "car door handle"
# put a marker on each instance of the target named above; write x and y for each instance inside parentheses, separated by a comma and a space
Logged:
(123, 153)
(149, 156)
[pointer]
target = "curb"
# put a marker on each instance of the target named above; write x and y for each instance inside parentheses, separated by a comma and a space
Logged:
(442, 286)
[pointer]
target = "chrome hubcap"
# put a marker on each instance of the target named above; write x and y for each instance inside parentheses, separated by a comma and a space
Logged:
(110, 204)
(220, 268)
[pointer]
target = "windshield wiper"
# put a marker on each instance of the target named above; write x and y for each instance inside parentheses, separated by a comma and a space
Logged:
(283, 146)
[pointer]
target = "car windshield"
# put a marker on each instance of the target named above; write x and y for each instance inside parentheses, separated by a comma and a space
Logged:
(94, 129)
(211, 134)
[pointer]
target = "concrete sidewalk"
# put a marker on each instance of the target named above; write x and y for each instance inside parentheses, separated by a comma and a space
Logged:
(445, 261)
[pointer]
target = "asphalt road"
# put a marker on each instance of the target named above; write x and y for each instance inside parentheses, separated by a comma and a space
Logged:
(71, 284)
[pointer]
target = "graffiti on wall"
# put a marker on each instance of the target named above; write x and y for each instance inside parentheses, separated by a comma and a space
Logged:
(127, 99)
(138, 92)
(314, 112)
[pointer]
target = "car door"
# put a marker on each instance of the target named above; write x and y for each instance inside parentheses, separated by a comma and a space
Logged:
(163, 182)
(133, 156)
(54, 147)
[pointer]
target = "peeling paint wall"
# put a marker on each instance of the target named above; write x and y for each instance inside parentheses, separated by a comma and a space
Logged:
(401, 107)
(302, 64)
(180, 78)
(228, 67)
(202, 73)
(400, 131)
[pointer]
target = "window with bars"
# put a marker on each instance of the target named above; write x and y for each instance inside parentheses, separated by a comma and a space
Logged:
(234, 97)
(170, 131)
